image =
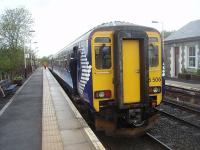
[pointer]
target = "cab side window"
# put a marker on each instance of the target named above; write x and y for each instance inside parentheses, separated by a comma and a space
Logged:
(153, 55)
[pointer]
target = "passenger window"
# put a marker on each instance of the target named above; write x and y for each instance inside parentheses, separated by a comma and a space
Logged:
(103, 57)
(153, 55)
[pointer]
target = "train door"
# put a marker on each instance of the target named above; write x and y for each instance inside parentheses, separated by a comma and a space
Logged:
(131, 68)
(131, 71)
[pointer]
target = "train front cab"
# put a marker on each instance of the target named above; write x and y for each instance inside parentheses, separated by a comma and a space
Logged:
(126, 75)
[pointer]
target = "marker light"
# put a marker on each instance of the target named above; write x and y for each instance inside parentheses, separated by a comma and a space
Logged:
(102, 94)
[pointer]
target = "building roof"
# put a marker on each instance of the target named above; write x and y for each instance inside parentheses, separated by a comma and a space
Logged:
(190, 30)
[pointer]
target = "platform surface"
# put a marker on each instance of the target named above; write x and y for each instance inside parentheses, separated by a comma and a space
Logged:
(184, 85)
(41, 116)
(21, 122)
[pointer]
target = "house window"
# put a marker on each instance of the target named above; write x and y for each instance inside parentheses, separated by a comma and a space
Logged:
(192, 57)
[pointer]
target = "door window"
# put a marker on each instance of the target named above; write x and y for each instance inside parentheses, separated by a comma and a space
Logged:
(103, 57)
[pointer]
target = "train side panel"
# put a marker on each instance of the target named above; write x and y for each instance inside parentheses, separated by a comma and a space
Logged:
(84, 70)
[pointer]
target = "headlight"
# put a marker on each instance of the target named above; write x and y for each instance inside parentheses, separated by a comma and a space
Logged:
(154, 89)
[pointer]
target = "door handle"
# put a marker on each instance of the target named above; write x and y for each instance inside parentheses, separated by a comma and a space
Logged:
(137, 71)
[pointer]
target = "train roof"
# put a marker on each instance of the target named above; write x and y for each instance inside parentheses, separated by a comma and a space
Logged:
(115, 25)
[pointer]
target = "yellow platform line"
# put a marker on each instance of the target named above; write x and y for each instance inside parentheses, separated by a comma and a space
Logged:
(51, 138)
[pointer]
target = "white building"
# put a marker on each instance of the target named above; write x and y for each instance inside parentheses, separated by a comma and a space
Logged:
(182, 50)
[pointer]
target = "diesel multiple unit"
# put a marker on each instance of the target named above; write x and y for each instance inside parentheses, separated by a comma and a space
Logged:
(119, 74)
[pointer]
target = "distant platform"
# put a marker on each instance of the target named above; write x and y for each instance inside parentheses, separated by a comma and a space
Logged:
(184, 85)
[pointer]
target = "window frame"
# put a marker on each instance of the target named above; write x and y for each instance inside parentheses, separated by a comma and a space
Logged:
(111, 63)
(101, 42)
(188, 57)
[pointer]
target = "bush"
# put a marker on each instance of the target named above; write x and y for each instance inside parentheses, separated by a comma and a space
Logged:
(198, 71)
(18, 78)
(184, 70)
(185, 76)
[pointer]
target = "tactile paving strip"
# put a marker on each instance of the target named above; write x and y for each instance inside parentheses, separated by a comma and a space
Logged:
(51, 138)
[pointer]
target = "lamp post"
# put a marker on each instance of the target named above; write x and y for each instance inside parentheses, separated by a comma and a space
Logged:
(31, 31)
(25, 65)
(32, 56)
(1, 38)
(25, 71)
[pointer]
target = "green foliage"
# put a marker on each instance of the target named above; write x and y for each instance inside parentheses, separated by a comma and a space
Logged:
(44, 60)
(15, 25)
(11, 59)
(184, 70)
(17, 78)
(167, 33)
(198, 71)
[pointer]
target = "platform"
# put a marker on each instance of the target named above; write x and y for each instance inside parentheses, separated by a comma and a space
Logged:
(185, 85)
(41, 116)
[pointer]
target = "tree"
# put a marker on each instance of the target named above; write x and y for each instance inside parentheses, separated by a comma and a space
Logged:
(15, 25)
(167, 33)
(44, 60)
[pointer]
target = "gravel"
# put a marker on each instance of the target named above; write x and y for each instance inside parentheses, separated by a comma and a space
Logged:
(176, 135)
(184, 114)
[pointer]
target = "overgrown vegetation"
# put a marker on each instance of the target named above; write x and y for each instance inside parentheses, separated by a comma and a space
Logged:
(198, 71)
(15, 25)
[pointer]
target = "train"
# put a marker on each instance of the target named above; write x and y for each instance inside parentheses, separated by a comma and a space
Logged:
(118, 75)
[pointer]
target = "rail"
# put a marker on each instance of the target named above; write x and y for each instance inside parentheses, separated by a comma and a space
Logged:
(177, 118)
(158, 141)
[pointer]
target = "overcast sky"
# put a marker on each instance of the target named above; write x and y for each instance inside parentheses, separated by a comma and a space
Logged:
(59, 22)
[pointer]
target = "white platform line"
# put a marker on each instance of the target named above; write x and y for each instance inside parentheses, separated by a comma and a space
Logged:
(11, 100)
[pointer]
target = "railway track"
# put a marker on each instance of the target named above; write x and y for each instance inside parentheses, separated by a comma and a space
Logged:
(183, 114)
(147, 141)
(152, 140)
(158, 141)
(182, 105)
(184, 96)
(179, 119)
